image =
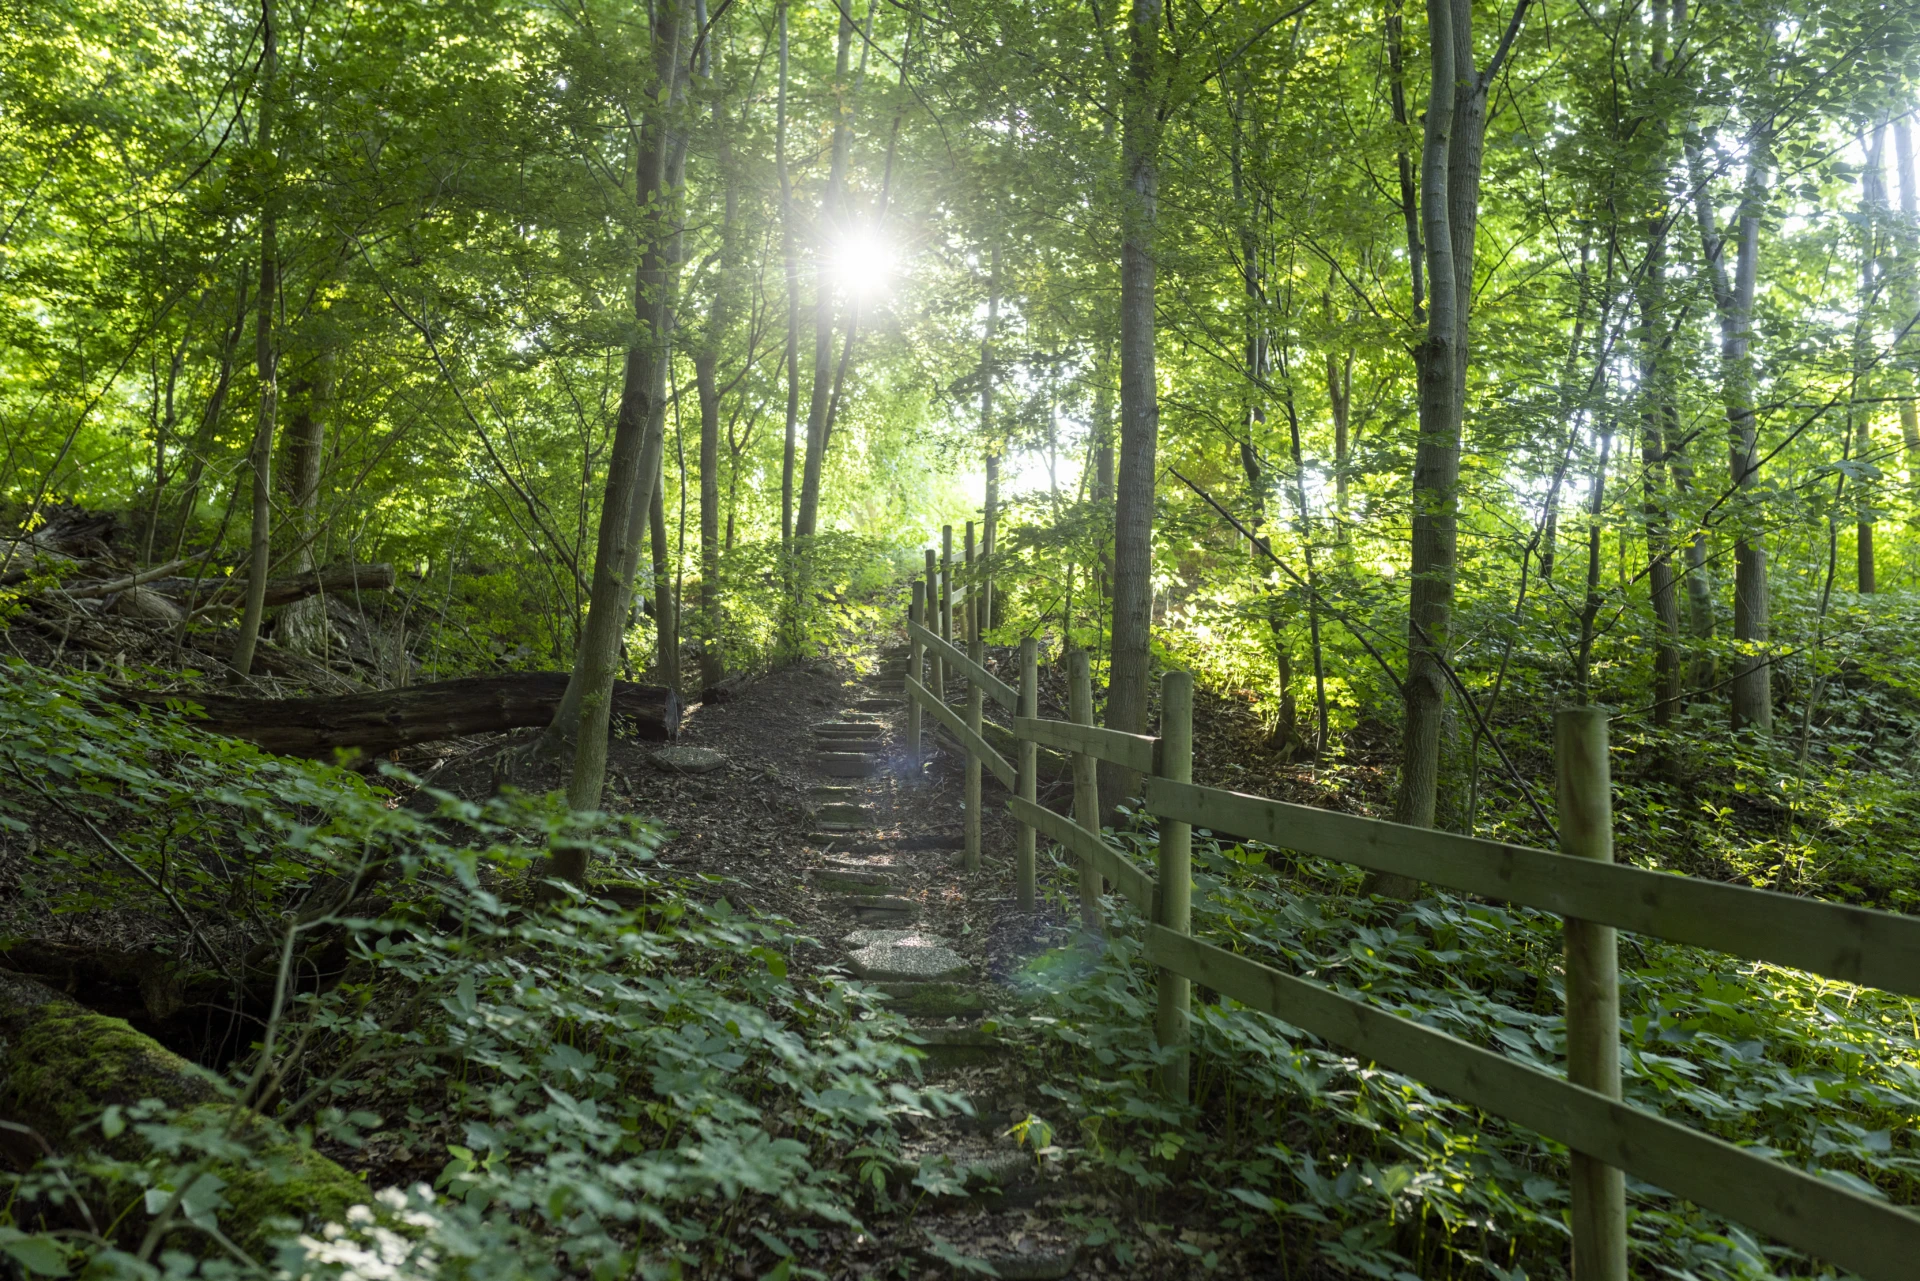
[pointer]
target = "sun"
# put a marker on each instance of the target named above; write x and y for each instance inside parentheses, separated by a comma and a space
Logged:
(864, 263)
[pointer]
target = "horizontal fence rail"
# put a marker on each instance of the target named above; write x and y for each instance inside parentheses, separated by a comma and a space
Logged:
(1853, 944)
(974, 744)
(1870, 1237)
(1137, 885)
(959, 664)
(1136, 752)
(1593, 895)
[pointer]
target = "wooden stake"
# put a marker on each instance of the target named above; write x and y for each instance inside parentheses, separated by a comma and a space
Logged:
(1585, 792)
(1086, 785)
(916, 669)
(937, 681)
(1176, 878)
(1029, 769)
(970, 624)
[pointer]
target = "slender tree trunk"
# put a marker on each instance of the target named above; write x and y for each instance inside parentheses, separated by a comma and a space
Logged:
(991, 525)
(666, 609)
(1873, 209)
(790, 257)
(634, 460)
(261, 556)
(164, 425)
(1752, 697)
(1656, 395)
(1436, 467)
(706, 372)
(832, 204)
(302, 626)
(1102, 491)
(1906, 295)
(210, 415)
(1139, 395)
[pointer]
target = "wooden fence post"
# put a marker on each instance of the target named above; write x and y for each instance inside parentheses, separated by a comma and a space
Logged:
(1086, 785)
(1029, 768)
(946, 592)
(916, 655)
(1585, 791)
(970, 625)
(937, 680)
(1176, 876)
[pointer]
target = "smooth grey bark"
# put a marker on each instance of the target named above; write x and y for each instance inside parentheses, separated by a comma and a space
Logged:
(302, 625)
(790, 258)
(1657, 423)
(832, 203)
(1873, 210)
(260, 555)
(1139, 399)
(1436, 468)
(991, 512)
(633, 462)
(666, 608)
(706, 365)
(1906, 294)
(1733, 297)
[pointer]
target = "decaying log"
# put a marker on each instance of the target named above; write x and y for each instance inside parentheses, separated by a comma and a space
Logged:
(335, 580)
(61, 1065)
(387, 719)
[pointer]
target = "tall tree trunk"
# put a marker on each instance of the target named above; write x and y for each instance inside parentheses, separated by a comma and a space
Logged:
(1102, 491)
(1139, 394)
(1752, 696)
(210, 415)
(666, 609)
(261, 556)
(1436, 467)
(1906, 296)
(790, 257)
(634, 459)
(1873, 209)
(832, 204)
(991, 512)
(706, 368)
(1656, 410)
(164, 425)
(302, 625)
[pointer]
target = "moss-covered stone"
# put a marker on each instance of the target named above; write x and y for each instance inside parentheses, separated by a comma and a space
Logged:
(935, 1000)
(62, 1065)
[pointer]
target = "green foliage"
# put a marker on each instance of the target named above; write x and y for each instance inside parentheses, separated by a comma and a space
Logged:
(1379, 1174)
(616, 1090)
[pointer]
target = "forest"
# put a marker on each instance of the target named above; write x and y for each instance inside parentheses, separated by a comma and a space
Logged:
(552, 556)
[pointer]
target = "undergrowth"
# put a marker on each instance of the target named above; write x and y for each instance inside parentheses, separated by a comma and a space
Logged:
(625, 1083)
(1304, 1150)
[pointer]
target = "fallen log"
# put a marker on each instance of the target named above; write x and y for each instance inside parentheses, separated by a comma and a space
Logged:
(61, 1065)
(387, 719)
(335, 580)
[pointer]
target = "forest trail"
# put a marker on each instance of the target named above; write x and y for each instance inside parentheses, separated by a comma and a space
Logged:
(811, 814)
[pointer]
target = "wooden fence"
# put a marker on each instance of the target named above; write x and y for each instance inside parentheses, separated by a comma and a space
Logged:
(1582, 884)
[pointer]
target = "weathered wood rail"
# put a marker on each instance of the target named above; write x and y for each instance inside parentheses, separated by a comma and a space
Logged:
(1582, 884)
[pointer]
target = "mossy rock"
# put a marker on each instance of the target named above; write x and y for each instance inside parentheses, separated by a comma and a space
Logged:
(62, 1065)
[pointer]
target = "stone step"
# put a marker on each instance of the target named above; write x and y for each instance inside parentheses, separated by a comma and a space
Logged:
(835, 792)
(845, 882)
(964, 1046)
(908, 960)
(881, 909)
(834, 743)
(847, 764)
(865, 724)
(934, 999)
(1017, 1245)
(879, 705)
(838, 814)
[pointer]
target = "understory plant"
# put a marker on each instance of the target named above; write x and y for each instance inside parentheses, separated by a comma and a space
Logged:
(1305, 1150)
(624, 1082)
